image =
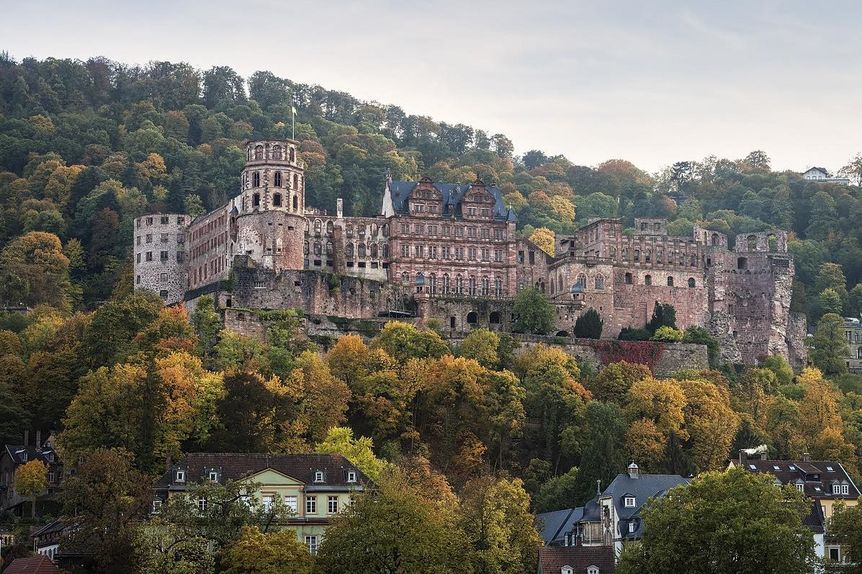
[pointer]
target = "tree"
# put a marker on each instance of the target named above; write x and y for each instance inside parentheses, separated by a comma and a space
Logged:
(557, 492)
(663, 315)
(613, 382)
(272, 553)
(589, 325)
(533, 313)
(544, 239)
(744, 524)
(604, 449)
(31, 479)
(853, 169)
(481, 345)
(403, 341)
(164, 547)
(829, 349)
(845, 528)
(104, 502)
(394, 528)
(667, 334)
(339, 440)
(207, 324)
(495, 517)
(33, 270)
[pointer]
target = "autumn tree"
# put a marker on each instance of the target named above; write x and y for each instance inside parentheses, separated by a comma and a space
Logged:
(31, 479)
(207, 324)
(710, 422)
(403, 341)
(544, 239)
(359, 451)
(481, 345)
(322, 398)
(615, 379)
(767, 534)
(272, 553)
(33, 270)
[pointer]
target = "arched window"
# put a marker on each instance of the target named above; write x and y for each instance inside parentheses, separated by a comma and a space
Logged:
(349, 230)
(255, 179)
(276, 199)
(600, 281)
(432, 283)
(472, 286)
(361, 249)
(295, 181)
(276, 152)
(628, 278)
(420, 281)
(459, 285)
(349, 250)
(647, 279)
(691, 282)
(373, 229)
(581, 281)
(329, 248)
(715, 240)
(292, 154)
(385, 230)
(385, 250)
(498, 287)
(277, 179)
(329, 227)
(317, 247)
(279, 244)
(255, 200)
(374, 251)
(258, 152)
(318, 225)
(472, 318)
(670, 281)
(445, 283)
(295, 202)
(486, 286)
(647, 255)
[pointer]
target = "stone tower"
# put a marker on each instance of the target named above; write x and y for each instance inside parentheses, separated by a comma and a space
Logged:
(160, 255)
(269, 213)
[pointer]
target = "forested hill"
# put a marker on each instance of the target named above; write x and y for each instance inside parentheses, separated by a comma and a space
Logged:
(87, 146)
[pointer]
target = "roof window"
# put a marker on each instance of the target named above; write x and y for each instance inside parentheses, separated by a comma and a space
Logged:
(752, 467)
(318, 476)
(629, 501)
(829, 469)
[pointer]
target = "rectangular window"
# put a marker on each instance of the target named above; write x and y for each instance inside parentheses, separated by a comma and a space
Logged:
(163, 256)
(157, 505)
(138, 258)
(149, 237)
(629, 502)
(420, 251)
(498, 255)
(351, 476)
(332, 505)
(164, 220)
(310, 504)
(290, 502)
(311, 543)
(405, 251)
(163, 277)
(267, 502)
(149, 256)
(138, 239)
(164, 237)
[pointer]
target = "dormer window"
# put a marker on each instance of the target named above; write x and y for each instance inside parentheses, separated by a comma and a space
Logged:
(632, 527)
(829, 469)
(181, 476)
(845, 489)
(351, 476)
(566, 570)
(836, 489)
(213, 476)
(800, 486)
(318, 476)
(629, 501)
(593, 570)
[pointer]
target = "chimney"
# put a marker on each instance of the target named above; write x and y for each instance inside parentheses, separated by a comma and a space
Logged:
(742, 457)
(339, 208)
(763, 455)
(806, 457)
(634, 471)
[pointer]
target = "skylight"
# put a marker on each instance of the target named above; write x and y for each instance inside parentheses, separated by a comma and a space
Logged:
(752, 467)
(829, 469)
(791, 467)
(776, 467)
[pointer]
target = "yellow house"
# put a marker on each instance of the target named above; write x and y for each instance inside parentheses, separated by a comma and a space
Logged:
(315, 487)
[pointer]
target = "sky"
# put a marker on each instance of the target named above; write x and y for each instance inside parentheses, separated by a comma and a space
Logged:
(651, 82)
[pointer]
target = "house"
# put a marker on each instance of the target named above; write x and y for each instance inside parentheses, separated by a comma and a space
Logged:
(576, 560)
(853, 332)
(825, 482)
(820, 174)
(15, 455)
(34, 565)
(315, 487)
(46, 540)
(554, 526)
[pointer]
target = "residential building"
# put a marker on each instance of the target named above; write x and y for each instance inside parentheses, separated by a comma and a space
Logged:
(11, 458)
(315, 487)
(825, 482)
(576, 560)
(853, 332)
(822, 175)
(46, 540)
(33, 565)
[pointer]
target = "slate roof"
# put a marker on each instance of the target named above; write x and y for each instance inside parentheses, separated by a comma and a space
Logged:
(555, 525)
(816, 476)
(34, 565)
(452, 193)
(644, 487)
(552, 559)
(820, 169)
(234, 466)
(17, 452)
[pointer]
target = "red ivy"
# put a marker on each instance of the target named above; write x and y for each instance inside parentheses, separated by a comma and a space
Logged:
(642, 352)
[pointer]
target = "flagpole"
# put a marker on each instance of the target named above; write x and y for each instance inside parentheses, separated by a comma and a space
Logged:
(293, 123)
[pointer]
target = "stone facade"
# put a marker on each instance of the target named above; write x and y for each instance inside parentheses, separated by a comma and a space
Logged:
(853, 332)
(449, 252)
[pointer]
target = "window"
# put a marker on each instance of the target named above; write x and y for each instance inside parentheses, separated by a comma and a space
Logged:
(149, 237)
(691, 282)
(213, 476)
(278, 179)
(181, 476)
(836, 489)
(670, 281)
(267, 502)
(648, 280)
(310, 504)
(593, 570)
(628, 278)
(829, 469)
(351, 476)
(632, 527)
(276, 199)
(202, 504)
(800, 486)
(311, 543)
(332, 505)
(566, 570)
(629, 501)
(157, 506)
(845, 489)
(164, 220)
(255, 200)
(835, 554)
(600, 281)
(255, 179)
(290, 502)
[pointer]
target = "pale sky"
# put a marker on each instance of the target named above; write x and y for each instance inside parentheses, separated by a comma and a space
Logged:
(652, 82)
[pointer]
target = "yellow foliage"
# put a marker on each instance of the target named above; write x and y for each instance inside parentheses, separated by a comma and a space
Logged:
(544, 239)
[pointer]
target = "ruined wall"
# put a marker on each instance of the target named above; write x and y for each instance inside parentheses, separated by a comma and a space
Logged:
(160, 255)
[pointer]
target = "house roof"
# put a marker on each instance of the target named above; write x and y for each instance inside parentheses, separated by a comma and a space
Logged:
(643, 487)
(816, 476)
(555, 525)
(452, 194)
(235, 466)
(820, 169)
(56, 526)
(21, 454)
(34, 565)
(552, 559)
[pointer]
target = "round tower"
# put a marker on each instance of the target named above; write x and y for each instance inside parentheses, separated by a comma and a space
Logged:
(270, 221)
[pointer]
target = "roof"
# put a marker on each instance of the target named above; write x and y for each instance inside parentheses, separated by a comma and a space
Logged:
(555, 525)
(644, 487)
(815, 519)
(235, 466)
(21, 454)
(816, 476)
(552, 559)
(34, 565)
(820, 169)
(398, 192)
(56, 526)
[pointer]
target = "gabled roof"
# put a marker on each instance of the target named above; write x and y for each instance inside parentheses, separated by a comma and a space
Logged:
(820, 169)
(398, 192)
(20, 454)
(555, 525)
(235, 466)
(644, 487)
(552, 559)
(56, 526)
(34, 565)
(817, 475)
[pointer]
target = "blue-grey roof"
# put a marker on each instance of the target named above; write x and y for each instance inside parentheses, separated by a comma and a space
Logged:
(644, 487)
(452, 193)
(555, 525)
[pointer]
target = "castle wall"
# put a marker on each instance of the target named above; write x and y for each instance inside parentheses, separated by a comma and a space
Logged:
(160, 255)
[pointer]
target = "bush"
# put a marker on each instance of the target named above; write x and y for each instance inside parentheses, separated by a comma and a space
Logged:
(629, 334)
(589, 325)
(668, 334)
(701, 336)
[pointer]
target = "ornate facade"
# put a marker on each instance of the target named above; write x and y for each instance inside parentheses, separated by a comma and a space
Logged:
(452, 250)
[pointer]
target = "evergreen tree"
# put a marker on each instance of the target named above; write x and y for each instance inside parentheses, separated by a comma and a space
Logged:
(589, 325)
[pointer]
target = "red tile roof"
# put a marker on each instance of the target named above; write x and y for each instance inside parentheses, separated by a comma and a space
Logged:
(553, 558)
(35, 565)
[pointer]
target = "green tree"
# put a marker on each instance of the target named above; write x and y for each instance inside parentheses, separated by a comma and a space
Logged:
(34, 270)
(533, 312)
(481, 345)
(207, 324)
(667, 334)
(272, 553)
(403, 341)
(339, 440)
(31, 479)
(829, 349)
(845, 528)
(613, 382)
(558, 492)
(589, 325)
(744, 524)
(663, 315)
(604, 449)
(700, 336)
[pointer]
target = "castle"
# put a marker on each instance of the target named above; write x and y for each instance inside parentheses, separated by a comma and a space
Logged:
(450, 252)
